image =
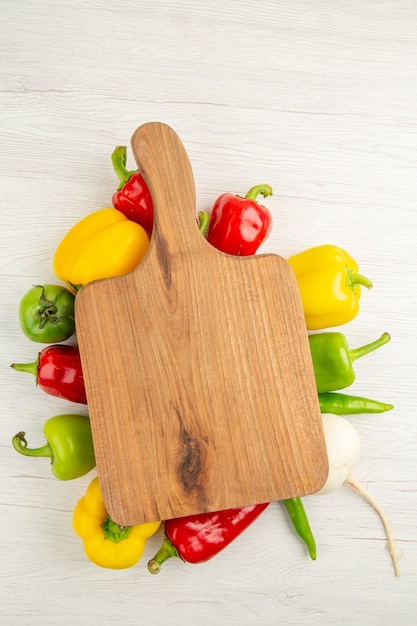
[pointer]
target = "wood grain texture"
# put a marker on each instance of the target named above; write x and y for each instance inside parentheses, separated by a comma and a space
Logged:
(197, 366)
(316, 98)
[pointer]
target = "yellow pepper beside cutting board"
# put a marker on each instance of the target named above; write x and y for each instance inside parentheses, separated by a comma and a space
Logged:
(103, 244)
(106, 543)
(329, 285)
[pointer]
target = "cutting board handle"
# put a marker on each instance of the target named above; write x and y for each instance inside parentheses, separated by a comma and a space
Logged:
(165, 166)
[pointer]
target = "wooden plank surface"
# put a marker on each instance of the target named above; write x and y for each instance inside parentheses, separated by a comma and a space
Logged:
(316, 98)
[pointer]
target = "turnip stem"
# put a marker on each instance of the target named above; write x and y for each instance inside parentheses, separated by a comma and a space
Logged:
(352, 482)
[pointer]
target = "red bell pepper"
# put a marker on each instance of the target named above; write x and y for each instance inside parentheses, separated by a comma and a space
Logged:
(58, 372)
(239, 225)
(198, 538)
(132, 197)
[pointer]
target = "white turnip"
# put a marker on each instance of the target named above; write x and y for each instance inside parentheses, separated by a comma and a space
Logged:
(343, 447)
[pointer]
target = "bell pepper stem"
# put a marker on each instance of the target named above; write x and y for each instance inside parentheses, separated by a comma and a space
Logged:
(356, 353)
(358, 279)
(203, 222)
(30, 368)
(74, 288)
(113, 532)
(20, 444)
(165, 552)
(254, 192)
(118, 158)
(48, 310)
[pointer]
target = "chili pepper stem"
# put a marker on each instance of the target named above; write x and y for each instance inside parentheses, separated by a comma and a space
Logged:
(31, 368)
(358, 279)
(119, 164)
(165, 552)
(263, 190)
(356, 353)
(352, 482)
(20, 444)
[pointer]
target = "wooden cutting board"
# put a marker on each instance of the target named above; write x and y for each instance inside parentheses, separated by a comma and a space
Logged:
(197, 367)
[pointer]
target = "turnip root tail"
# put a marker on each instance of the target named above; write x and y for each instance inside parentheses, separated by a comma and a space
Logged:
(352, 482)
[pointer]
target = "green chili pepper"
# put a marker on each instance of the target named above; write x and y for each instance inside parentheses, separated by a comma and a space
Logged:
(332, 359)
(299, 519)
(343, 404)
(69, 446)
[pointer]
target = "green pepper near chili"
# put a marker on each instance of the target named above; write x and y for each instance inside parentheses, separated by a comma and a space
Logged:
(69, 446)
(332, 359)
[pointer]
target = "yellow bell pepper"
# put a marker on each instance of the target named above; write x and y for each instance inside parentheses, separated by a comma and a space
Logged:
(329, 285)
(106, 543)
(101, 245)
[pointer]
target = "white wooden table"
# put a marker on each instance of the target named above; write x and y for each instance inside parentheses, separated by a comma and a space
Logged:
(316, 98)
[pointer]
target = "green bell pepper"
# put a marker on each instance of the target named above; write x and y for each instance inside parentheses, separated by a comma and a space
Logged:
(46, 313)
(332, 359)
(69, 446)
